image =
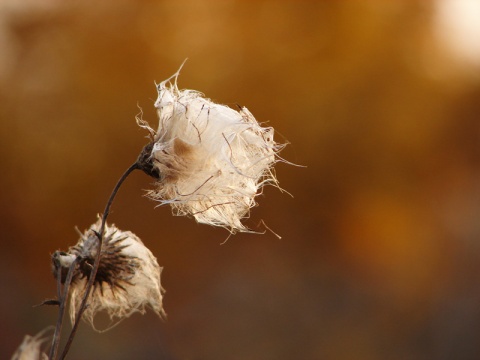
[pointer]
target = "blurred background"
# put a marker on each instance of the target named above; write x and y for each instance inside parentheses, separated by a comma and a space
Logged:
(380, 100)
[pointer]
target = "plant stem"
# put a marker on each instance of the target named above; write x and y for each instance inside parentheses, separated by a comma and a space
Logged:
(132, 167)
(63, 298)
(91, 278)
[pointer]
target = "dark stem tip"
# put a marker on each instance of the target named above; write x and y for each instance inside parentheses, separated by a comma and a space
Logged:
(145, 162)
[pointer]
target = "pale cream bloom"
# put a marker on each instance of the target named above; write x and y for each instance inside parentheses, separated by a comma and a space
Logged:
(127, 280)
(212, 160)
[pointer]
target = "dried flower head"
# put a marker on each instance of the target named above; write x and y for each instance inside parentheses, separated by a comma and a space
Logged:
(127, 280)
(210, 160)
(31, 347)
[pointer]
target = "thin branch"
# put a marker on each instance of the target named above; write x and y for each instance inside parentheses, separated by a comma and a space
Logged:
(58, 327)
(132, 167)
(93, 274)
(63, 298)
(59, 283)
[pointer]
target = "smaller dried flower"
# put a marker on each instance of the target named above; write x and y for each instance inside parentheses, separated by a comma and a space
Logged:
(31, 347)
(210, 161)
(127, 280)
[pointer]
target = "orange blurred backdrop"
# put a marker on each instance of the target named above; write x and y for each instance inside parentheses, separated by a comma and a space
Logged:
(380, 248)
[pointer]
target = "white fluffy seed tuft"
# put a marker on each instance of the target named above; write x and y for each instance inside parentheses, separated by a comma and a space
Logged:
(213, 160)
(127, 281)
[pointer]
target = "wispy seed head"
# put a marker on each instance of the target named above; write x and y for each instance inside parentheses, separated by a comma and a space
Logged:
(127, 279)
(211, 160)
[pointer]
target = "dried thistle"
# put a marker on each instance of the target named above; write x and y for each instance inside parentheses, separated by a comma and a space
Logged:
(210, 161)
(127, 279)
(31, 347)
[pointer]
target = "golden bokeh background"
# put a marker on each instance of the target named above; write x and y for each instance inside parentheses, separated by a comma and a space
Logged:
(379, 100)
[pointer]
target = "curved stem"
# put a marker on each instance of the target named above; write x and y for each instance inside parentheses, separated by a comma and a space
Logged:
(93, 274)
(132, 167)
